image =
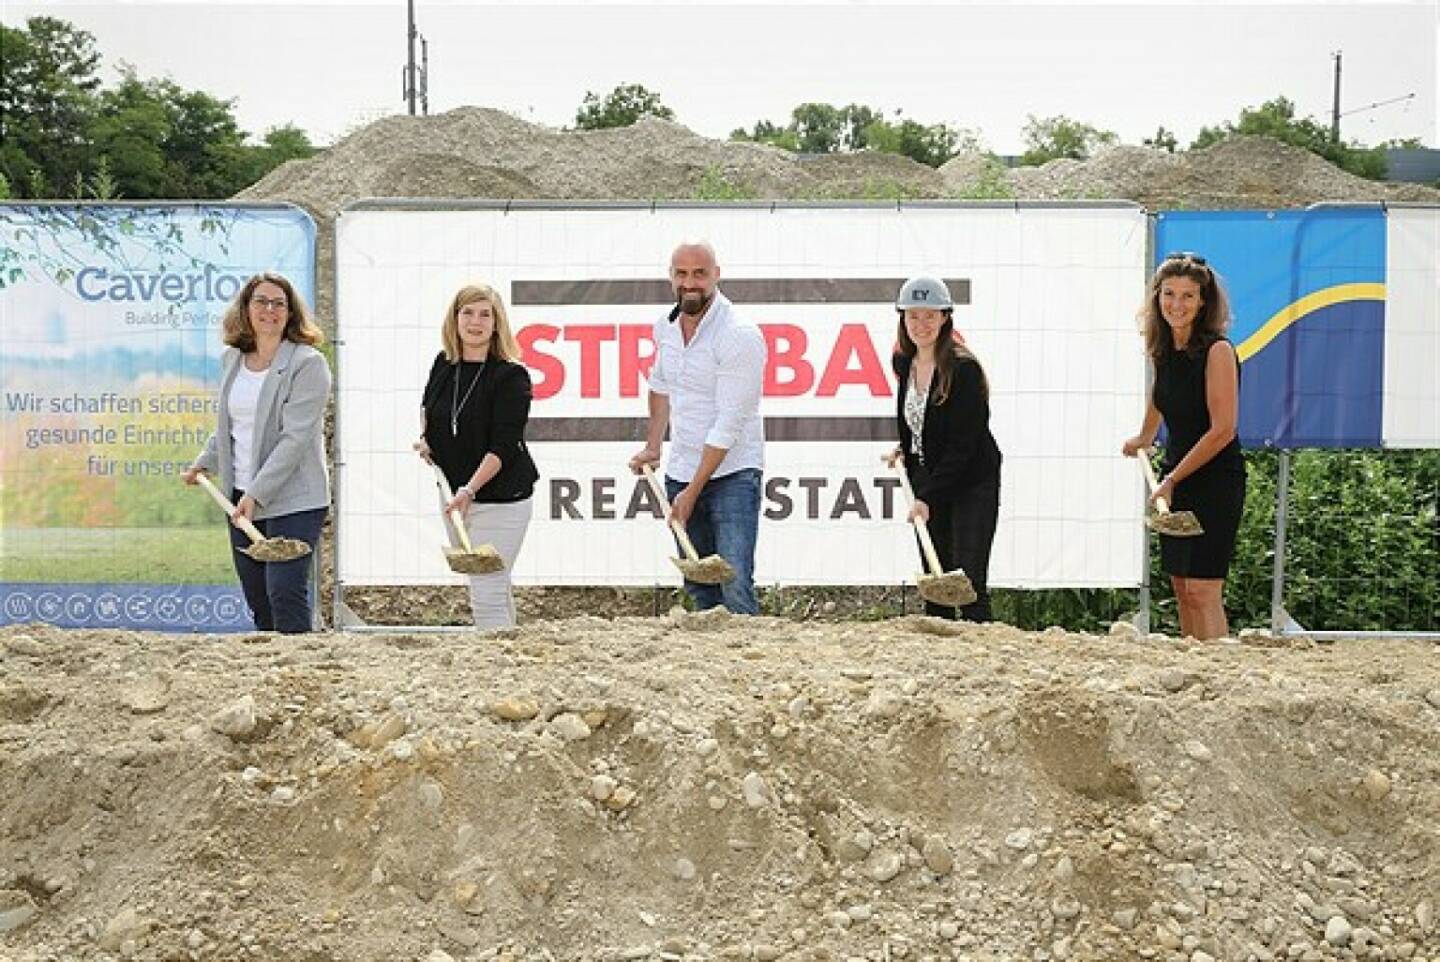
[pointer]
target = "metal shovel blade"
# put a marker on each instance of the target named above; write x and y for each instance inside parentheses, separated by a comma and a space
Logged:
(1176, 524)
(277, 549)
(483, 560)
(709, 570)
(951, 589)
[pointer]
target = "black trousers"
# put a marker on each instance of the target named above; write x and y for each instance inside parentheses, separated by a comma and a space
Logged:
(962, 525)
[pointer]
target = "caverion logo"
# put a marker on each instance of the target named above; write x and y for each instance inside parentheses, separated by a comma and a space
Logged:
(101, 284)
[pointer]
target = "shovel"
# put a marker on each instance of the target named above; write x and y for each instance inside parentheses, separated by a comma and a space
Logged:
(466, 560)
(949, 588)
(1177, 524)
(262, 548)
(710, 570)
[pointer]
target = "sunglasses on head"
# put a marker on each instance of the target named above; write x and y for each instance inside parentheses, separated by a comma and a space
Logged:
(1186, 256)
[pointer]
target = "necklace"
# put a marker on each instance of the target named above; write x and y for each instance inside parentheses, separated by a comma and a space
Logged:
(458, 402)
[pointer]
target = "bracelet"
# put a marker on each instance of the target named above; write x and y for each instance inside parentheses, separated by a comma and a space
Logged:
(467, 490)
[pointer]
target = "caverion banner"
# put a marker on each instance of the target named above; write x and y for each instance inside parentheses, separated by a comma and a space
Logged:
(1047, 302)
(109, 361)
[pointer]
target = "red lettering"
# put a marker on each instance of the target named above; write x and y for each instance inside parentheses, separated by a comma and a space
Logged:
(853, 342)
(590, 337)
(632, 362)
(790, 357)
(551, 369)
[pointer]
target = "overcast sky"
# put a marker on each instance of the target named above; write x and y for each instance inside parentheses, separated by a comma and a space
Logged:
(330, 67)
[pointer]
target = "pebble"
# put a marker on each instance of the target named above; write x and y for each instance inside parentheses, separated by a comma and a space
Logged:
(1125, 631)
(755, 791)
(283, 794)
(1337, 931)
(1173, 680)
(602, 787)
(1125, 919)
(764, 952)
(683, 869)
(1198, 751)
(1200, 955)
(1064, 907)
(570, 727)
(1425, 915)
(432, 796)
(1377, 785)
(621, 798)
(840, 920)
(439, 955)
(127, 926)
(236, 720)
(515, 709)
(948, 930)
(1020, 839)
(861, 912)
(16, 908)
(1433, 697)
(886, 866)
(1064, 869)
(938, 857)
(707, 747)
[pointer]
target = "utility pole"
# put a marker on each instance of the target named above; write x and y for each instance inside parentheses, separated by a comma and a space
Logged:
(424, 76)
(1334, 110)
(410, 84)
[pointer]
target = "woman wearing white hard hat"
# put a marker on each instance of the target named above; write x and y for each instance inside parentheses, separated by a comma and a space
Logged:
(950, 456)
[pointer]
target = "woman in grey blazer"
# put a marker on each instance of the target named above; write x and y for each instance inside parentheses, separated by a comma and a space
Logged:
(269, 445)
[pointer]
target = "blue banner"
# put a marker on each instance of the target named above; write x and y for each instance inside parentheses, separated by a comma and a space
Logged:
(1307, 289)
(109, 368)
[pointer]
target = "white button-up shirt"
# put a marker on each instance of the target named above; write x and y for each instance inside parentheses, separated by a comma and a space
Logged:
(714, 385)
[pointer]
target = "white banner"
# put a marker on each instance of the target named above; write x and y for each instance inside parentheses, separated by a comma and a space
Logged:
(1048, 299)
(1412, 328)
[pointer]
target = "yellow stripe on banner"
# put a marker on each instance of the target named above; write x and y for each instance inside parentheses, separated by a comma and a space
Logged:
(1290, 313)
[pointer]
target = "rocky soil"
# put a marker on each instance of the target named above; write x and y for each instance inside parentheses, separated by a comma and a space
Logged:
(702, 787)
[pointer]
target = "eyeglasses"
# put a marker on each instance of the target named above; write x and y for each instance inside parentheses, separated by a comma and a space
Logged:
(270, 303)
(1186, 256)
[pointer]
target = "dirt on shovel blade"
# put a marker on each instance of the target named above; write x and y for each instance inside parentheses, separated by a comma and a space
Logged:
(277, 549)
(710, 570)
(483, 560)
(951, 589)
(1177, 524)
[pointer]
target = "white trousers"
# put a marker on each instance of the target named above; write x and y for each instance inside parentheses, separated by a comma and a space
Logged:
(502, 526)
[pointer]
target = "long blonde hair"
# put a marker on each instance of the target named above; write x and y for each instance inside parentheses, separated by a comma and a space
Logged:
(503, 346)
(235, 329)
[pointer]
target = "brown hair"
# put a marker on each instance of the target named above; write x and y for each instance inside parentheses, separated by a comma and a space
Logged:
(945, 361)
(1212, 321)
(503, 346)
(235, 328)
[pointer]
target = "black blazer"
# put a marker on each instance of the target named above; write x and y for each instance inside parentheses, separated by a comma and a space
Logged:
(492, 421)
(959, 449)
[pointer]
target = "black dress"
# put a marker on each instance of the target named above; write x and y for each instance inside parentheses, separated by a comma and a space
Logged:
(1215, 493)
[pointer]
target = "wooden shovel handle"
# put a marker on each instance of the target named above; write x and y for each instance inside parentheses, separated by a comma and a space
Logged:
(927, 546)
(452, 516)
(675, 526)
(242, 523)
(1144, 455)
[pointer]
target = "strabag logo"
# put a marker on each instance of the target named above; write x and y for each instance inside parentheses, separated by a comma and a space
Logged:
(570, 355)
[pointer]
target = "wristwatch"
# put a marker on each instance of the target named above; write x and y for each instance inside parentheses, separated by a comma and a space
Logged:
(468, 490)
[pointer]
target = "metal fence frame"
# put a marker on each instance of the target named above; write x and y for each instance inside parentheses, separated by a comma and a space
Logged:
(1282, 624)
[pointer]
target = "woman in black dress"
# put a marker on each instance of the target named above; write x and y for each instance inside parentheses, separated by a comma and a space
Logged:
(1197, 395)
(951, 458)
(473, 415)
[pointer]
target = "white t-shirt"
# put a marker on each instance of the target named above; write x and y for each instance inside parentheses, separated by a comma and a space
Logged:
(243, 401)
(714, 385)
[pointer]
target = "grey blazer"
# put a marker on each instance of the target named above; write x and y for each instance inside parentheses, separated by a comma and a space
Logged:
(289, 473)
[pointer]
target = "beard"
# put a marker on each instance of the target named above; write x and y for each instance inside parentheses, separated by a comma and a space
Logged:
(693, 303)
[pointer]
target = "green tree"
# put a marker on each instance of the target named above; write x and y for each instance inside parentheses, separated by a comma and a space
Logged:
(1276, 119)
(1050, 138)
(767, 133)
(621, 107)
(932, 145)
(46, 101)
(819, 128)
(1163, 140)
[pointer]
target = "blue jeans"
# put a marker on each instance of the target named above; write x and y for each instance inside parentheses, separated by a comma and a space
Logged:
(278, 592)
(726, 521)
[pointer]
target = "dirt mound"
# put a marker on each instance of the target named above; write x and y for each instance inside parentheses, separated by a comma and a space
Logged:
(1249, 172)
(703, 787)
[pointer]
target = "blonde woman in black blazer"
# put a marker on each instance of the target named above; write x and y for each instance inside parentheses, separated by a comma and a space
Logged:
(473, 413)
